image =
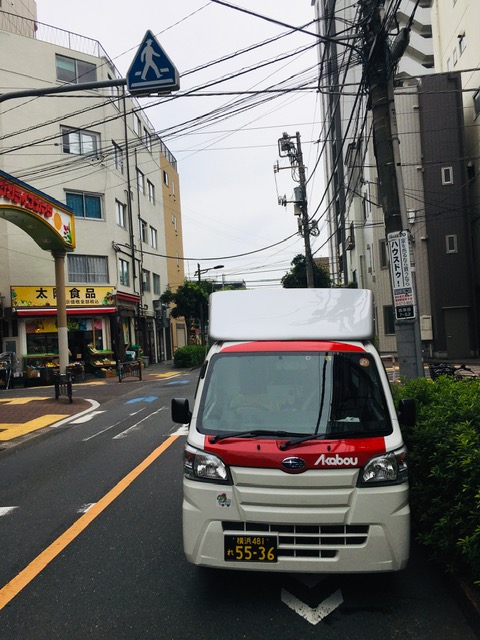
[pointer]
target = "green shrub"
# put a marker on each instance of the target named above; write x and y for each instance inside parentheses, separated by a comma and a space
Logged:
(189, 356)
(444, 463)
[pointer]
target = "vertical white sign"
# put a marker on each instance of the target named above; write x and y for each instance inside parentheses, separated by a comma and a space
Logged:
(401, 272)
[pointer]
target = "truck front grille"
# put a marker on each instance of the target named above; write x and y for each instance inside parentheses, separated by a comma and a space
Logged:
(306, 541)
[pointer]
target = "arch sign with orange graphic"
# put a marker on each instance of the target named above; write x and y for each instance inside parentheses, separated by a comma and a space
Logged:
(49, 222)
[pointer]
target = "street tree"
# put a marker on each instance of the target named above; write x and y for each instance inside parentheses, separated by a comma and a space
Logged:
(190, 300)
(296, 278)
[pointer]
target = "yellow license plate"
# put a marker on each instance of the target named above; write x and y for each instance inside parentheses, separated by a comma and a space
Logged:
(250, 548)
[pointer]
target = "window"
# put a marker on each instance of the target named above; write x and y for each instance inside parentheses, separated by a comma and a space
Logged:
(383, 254)
(447, 175)
(174, 222)
(455, 57)
(147, 138)
(85, 205)
(121, 214)
(118, 157)
(87, 268)
(145, 280)
(75, 71)
(124, 272)
(140, 181)
(153, 238)
(151, 192)
(137, 125)
(80, 142)
(451, 243)
(165, 178)
(476, 103)
(388, 320)
(319, 393)
(156, 284)
(173, 186)
(462, 42)
(143, 231)
(114, 93)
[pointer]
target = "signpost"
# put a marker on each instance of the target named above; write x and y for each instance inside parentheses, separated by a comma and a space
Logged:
(151, 70)
(401, 272)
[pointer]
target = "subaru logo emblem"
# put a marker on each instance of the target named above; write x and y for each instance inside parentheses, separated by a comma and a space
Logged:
(293, 464)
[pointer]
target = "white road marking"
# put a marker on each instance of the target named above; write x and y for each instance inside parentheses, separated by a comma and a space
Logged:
(86, 417)
(85, 507)
(181, 431)
(6, 510)
(135, 426)
(313, 616)
(99, 433)
(94, 404)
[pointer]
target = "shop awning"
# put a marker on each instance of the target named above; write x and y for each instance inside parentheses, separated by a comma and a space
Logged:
(52, 311)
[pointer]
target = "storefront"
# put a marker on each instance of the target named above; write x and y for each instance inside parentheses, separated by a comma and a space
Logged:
(89, 309)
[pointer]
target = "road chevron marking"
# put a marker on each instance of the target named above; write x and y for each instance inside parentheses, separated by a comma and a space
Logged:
(313, 615)
(6, 510)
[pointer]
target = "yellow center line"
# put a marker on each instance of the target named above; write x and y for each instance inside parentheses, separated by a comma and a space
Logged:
(31, 571)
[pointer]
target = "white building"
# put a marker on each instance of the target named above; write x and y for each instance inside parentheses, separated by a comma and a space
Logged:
(95, 151)
(358, 251)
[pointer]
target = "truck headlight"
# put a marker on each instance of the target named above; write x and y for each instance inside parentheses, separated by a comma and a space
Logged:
(200, 465)
(389, 468)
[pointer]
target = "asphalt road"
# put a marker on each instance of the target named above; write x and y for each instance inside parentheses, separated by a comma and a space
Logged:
(90, 534)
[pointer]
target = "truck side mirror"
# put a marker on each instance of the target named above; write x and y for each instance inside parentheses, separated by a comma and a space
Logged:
(407, 412)
(181, 413)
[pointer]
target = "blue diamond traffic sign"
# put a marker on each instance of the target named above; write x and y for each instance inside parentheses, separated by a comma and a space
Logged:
(152, 71)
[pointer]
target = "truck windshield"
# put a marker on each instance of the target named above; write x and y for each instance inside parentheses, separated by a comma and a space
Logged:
(314, 393)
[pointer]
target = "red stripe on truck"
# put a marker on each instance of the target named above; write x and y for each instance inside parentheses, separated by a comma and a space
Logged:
(296, 345)
(265, 453)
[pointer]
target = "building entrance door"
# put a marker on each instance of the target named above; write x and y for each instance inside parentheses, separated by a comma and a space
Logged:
(457, 330)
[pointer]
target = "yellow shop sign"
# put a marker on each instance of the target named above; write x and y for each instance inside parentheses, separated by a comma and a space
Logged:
(76, 296)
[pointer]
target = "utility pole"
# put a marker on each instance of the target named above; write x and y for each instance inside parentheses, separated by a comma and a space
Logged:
(293, 150)
(380, 63)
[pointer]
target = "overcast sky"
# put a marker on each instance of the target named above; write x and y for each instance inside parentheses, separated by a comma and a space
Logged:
(229, 192)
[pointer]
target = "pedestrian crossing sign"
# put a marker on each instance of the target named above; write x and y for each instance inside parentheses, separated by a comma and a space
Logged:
(152, 71)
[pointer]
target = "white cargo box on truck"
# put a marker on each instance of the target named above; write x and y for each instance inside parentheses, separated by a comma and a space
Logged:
(294, 458)
(291, 314)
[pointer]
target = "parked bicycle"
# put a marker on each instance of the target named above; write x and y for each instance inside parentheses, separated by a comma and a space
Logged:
(460, 372)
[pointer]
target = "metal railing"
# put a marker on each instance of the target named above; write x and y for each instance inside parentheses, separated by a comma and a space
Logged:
(129, 369)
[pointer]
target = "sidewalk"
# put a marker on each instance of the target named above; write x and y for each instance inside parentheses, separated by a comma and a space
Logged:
(27, 410)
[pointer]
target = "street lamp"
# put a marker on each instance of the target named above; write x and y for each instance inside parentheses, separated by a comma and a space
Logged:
(198, 273)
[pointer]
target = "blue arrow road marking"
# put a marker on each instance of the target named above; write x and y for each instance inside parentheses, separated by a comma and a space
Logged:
(174, 382)
(144, 399)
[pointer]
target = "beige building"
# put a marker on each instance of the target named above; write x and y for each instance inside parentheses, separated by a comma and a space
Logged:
(96, 152)
(174, 245)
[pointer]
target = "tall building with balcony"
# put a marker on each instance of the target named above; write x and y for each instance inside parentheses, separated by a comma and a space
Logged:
(95, 151)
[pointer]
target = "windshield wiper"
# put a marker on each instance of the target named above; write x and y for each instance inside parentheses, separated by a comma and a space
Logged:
(333, 435)
(252, 433)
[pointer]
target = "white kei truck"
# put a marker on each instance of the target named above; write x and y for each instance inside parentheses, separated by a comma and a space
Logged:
(294, 458)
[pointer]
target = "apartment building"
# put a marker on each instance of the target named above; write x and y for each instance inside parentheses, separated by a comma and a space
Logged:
(95, 152)
(358, 247)
(457, 50)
